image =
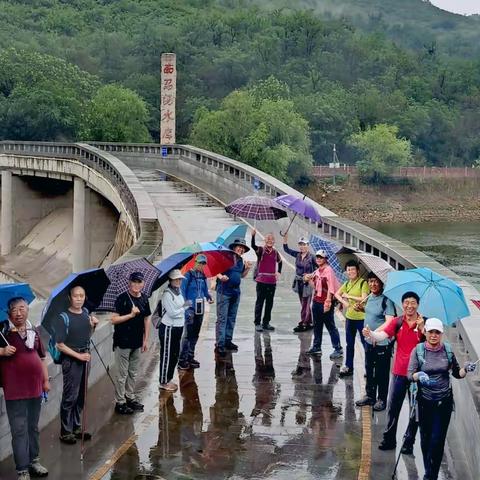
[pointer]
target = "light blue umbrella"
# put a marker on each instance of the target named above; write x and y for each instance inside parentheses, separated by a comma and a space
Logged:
(440, 297)
(230, 234)
(331, 249)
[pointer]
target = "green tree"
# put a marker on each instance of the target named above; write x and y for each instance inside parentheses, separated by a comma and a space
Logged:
(381, 151)
(267, 134)
(116, 114)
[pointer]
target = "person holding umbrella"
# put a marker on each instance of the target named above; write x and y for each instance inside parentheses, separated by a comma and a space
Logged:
(131, 322)
(354, 290)
(430, 365)
(379, 310)
(24, 375)
(304, 264)
(228, 298)
(266, 275)
(194, 290)
(408, 332)
(73, 329)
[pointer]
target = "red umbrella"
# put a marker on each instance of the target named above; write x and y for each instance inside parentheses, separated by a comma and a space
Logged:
(219, 258)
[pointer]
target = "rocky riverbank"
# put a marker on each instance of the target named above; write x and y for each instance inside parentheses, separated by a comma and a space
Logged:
(418, 203)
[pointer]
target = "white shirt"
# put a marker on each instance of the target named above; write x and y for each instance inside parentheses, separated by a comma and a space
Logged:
(174, 306)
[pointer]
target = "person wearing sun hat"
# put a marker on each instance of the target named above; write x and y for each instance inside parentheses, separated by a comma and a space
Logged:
(195, 290)
(228, 298)
(304, 264)
(170, 329)
(430, 365)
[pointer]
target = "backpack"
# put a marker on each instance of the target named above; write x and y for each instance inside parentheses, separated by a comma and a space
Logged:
(54, 352)
(420, 348)
(159, 311)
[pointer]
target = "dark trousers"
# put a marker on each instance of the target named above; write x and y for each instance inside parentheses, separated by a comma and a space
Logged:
(73, 397)
(321, 318)
(434, 418)
(193, 324)
(265, 294)
(23, 418)
(305, 302)
(170, 338)
(351, 329)
(399, 386)
(377, 367)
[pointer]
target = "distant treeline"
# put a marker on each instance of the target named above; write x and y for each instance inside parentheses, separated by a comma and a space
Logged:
(328, 81)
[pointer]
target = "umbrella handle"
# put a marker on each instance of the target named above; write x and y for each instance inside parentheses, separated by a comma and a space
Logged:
(288, 228)
(4, 339)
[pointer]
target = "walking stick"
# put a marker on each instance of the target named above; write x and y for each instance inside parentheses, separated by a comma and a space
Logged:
(413, 412)
(103, 363)
(84, 413)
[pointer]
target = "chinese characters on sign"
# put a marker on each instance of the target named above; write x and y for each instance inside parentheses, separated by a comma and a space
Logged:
(167, 98)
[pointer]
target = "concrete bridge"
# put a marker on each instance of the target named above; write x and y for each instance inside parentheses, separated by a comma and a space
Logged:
(122, 186)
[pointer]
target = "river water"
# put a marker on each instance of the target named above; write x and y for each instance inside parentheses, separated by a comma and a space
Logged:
(455, 245)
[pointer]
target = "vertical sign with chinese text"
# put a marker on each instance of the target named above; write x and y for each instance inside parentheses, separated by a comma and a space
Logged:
(168, 94)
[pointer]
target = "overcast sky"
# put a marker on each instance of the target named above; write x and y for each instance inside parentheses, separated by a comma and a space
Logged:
(458, 6)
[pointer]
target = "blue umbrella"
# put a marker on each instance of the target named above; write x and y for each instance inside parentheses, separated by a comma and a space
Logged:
(12, 290)
(95, 283)
(230, 234)
(177, 260)
(331, 249)
(440, 297)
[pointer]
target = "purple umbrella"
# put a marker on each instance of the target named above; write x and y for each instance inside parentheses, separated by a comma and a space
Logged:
(119, 274)
(298, 206)
(258, 208)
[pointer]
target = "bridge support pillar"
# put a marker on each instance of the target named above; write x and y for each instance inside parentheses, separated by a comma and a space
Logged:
(79, 227)
(7, 231)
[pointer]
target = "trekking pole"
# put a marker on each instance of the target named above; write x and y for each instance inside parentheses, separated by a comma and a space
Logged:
(84, 413)
(103, 363)
(410, 418)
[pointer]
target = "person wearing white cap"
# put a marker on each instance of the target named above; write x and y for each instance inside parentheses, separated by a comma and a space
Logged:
(430, 365)
(325, 284)
(171, 309)
(304, 264)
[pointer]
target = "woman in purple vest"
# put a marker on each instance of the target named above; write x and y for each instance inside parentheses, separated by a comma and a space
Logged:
(304, 264)
(266, 275)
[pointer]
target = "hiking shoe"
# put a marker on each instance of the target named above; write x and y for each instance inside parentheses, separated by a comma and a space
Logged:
(134, 405)
(308, 327)
(78, 435)
(68, 439)
(36, 469)
(231, 346)
(407, 449)
(258, 328)
(314, 351)
(366, 400)
(168, 387)
(300, 328)
(384, 445)
(269, 327)
(346, 372)
(194, 363)
(380, 405)
(336, 354)
(23, 475)
(123, 409)
(183, 366)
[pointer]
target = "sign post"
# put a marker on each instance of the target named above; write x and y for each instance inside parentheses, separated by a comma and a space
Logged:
(168, 94)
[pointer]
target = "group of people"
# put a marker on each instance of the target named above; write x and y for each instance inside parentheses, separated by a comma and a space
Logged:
(423, 360)
(422, 357)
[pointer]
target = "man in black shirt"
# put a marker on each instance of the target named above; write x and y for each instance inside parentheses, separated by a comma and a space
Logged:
(73, 329)
(130, 337)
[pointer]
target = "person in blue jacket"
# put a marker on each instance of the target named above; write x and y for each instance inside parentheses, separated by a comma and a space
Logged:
(194, 289)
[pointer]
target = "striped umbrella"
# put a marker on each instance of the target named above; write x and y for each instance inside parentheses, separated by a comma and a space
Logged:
(256, 208)
(119, 274)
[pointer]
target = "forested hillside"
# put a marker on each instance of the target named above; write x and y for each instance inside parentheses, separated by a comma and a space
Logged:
(321, 78)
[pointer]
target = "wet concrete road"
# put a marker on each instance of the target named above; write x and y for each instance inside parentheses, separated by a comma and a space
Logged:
(242, 417)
